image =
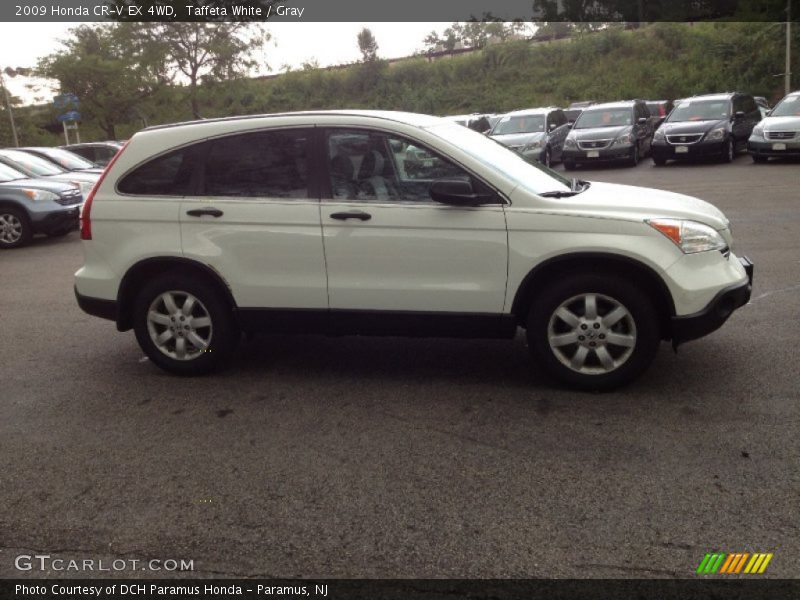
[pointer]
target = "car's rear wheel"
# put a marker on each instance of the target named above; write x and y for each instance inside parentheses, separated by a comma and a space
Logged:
(15, 230)
(593, 332)
(184, 325)
(759, 159)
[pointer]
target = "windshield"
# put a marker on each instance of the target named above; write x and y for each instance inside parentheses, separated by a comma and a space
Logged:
(32, 165)
(65, 159)
(700, 110)
(9, 174)
(519, 124)
(534, 177)
(609, 117)
(788, 107)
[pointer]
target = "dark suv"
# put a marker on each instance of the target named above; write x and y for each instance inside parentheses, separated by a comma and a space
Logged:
(610, 132)
(710, 126)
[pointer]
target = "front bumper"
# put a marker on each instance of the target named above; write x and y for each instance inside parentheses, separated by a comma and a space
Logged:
(611, 153)
(713, 316)
(776, 148)
(52, 222)
(666, 151)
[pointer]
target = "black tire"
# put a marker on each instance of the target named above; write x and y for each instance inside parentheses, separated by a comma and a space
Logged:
(643, 335)
(760, 159)
(569, 165)
(222, 335)
(634, 158)
(728, 150)
(658, 161)
(15, 228)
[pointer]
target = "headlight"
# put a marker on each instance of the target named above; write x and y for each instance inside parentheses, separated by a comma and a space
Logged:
(715, 134)
(659, 134)
(624, 139)
(758, 131)
(570, 143)
(689, 236)
(40, 195)
(533, 146)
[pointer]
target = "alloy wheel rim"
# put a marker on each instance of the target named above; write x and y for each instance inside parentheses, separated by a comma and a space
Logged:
(10, 228)
(179, 325)
(592, 334)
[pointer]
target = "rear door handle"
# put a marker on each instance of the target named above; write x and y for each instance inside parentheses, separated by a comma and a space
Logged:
(199, 212)
(353, 214)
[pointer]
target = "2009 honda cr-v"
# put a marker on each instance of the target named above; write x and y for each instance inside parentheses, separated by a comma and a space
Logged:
(312, 222)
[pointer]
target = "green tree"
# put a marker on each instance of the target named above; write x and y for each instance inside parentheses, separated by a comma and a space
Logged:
(110, 68)
(208, 52)
(367, 45)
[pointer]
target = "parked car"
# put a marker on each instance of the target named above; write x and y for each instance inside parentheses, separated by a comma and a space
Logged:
(34, 166)
(574, 110)
(29, 206)
(616, 131)
(69, 161)
(779, 133)
(536, 133)
(200, 230)
(100, 153)
(659, 109)
(708, 126)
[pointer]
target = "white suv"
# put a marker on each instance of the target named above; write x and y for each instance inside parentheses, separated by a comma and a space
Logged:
(383, 223)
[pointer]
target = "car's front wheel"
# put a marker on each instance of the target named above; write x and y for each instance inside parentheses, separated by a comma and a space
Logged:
(729, 151)
(15, 230)
(184, 325)
(593, 332)
(634, 158)
(569, 165)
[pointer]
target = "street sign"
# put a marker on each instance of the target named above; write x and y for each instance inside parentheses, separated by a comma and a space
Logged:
(66, 101)
(72, 115)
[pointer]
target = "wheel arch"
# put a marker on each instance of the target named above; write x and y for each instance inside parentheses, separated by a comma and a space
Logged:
(138, 274)
(6, 202)
(594, 262)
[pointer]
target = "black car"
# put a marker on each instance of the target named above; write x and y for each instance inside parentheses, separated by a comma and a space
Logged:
(709, 126)
(616, 131)
(99, 153)
(535, 133)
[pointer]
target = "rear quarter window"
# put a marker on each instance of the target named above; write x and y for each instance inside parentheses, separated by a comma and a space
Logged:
(170, 174)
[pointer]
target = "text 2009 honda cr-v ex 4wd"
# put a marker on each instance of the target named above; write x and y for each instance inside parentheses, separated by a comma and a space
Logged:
(312, 222)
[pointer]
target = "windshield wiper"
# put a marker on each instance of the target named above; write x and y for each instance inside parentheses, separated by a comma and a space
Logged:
(558, 194)
(576, 187)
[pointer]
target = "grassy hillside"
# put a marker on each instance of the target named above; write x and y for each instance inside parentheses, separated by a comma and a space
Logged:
(663, 60)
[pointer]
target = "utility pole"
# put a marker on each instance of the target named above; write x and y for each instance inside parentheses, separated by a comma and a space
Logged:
(10, 112)
(787, 74)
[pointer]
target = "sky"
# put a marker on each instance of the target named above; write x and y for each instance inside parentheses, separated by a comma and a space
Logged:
(22, 44)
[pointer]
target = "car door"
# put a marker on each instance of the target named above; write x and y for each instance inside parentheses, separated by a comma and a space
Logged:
(390, 249)
(559, 134)
(254, 218)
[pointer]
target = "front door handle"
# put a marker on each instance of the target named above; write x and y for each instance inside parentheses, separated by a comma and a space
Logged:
(199, 212)
(353, 214)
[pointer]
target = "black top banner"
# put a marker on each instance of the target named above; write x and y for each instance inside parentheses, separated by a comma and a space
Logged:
(408, 10)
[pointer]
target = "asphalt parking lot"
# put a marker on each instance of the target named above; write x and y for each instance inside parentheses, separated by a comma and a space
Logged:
(363, 457)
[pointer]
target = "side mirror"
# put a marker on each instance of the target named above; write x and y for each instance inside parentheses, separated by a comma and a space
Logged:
(738, 115)
(552, 127)
(642, 121)
(457, 192)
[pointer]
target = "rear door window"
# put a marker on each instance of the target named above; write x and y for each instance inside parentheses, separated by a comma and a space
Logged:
(264, 164)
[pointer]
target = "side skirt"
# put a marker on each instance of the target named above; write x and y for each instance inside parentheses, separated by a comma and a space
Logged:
(378, 323)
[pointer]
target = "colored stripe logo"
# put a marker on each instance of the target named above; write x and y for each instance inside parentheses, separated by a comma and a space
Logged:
(734, 564)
